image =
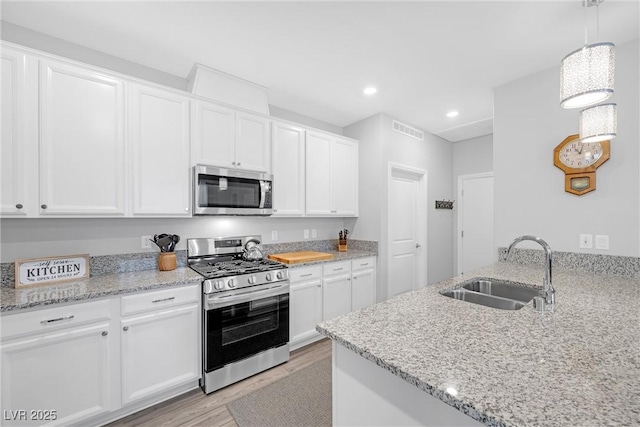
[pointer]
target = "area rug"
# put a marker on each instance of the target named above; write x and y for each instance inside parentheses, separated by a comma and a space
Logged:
(301, 399)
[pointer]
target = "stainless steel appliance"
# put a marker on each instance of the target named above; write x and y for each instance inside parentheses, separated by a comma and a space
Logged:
(245, 309)
(221, 191)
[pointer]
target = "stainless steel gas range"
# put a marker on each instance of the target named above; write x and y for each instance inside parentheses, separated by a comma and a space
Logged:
(245, 309)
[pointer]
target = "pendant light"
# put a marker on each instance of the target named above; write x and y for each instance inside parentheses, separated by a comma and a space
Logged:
(587, 74)
(598, 123)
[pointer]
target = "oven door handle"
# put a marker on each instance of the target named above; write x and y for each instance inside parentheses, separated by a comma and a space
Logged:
(215, 301)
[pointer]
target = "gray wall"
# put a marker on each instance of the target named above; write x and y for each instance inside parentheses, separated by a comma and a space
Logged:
(470, 156)
(529, 189)
(380, 145)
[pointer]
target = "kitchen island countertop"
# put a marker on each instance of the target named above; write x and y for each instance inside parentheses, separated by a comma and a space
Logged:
(577, 366)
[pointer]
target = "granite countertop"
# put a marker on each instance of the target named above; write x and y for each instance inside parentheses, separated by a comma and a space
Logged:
(14, 300)
(337, 256)
(577, 366)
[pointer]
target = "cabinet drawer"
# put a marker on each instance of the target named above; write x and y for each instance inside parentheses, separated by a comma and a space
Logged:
(360, 263)
(337, 267)
(160, 299)
(305, 273)
(55, 318)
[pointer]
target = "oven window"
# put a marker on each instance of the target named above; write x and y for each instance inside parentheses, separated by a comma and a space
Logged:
(227, 192)
(242, 330)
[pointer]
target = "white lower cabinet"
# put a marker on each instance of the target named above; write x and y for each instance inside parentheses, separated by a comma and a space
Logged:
(336, 289)
(57, 365)
(93, 362)
(363, 282)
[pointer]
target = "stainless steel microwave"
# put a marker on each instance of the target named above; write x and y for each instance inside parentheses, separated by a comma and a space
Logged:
(222, 191)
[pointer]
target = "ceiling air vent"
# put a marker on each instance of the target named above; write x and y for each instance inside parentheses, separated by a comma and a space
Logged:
(408, 130)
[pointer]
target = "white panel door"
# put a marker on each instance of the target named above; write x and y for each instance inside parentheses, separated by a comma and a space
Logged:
(345, 177)
(363, 289)
(82, 144)
(159, 350)
(75, 380)
(407, 262)
(318, 174)
(252, 143)
(336, 296)
(305, 310)
(159, 133)
(214, 135)
(288, 158)
(476, 234)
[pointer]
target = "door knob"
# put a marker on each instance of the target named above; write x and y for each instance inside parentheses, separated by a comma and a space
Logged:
(418, 245)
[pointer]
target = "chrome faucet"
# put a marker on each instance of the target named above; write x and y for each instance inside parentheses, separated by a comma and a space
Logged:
(548, 293)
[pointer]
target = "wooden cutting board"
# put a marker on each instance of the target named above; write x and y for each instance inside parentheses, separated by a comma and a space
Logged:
(302, 256)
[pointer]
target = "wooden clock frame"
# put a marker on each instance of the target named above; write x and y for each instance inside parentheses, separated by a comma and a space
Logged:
(580, 181)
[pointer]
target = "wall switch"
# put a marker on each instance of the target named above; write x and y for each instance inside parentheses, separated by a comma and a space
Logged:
(274, 235)
(145, 242)
(586, 241)
(314, 233)
(602, 242)
(306, 234)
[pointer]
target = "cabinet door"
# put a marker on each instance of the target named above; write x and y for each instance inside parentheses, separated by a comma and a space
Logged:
(363, 289)
(159, 350)
(288, 169)
(252, 142)
(336, 296)
(159, 135)
(74, 380)
(318, 174)
(345, 177)
(305, 311)
(82, 144)
(214, 135)
(18, 165)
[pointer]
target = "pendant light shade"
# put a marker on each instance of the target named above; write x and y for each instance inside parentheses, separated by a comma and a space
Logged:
(587, 75)
(598, 123)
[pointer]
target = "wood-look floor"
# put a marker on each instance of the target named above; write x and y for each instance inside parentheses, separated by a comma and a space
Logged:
(198, 409)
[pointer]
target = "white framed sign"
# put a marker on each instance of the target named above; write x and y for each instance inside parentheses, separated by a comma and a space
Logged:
(42, 271)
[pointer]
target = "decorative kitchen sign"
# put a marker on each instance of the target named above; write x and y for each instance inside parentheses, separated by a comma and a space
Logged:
(42, 271)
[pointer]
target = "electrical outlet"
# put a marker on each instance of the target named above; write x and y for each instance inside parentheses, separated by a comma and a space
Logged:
(306, 234)
(586, 241)
(274, 235)
(602, 242)
(314, 233)
(145, 242)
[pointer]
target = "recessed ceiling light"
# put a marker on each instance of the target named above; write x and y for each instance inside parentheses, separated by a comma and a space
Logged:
(370, 91)
(452, 113)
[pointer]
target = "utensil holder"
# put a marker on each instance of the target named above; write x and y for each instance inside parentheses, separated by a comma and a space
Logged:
(167, 261)
(342, 246)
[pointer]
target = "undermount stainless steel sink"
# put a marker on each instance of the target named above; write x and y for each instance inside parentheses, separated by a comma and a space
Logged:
(493, 293)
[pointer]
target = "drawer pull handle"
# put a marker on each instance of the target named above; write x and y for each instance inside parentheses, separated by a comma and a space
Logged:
(44, 322)
(306, 275)
(126, 328)
(319, 285)
(338, 269)
(362, 265)
(163, 299)
(105, 333)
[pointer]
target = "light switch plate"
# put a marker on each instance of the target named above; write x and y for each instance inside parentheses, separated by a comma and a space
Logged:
(145, 242)
(586, 241)
(314, 233)
(274, 235)
(602, 242)
(306, 234)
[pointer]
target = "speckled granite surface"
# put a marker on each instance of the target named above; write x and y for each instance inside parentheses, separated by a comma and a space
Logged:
(95, 287)
(578, 366)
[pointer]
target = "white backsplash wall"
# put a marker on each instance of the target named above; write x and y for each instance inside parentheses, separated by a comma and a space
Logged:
(42, 237)
(529, 189)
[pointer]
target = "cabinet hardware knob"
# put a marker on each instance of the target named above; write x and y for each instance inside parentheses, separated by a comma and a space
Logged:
(238, 163)
(19, 206)
(43, 206)
(105, 333)
(186, 209)
(319, 285)
(126, 328)
(233, 163)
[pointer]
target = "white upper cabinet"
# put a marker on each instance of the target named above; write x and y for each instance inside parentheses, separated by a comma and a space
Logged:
(288, 159)
(159, 139)
(228, 138)
(15, 145)
(82, 143)
(331, 175)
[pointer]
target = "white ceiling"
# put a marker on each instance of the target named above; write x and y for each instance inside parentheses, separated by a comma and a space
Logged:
(425, 57)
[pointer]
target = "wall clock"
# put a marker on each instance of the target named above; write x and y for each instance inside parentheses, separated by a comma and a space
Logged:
(579, 162)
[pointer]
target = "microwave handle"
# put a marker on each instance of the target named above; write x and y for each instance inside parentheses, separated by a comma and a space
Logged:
(263, 193)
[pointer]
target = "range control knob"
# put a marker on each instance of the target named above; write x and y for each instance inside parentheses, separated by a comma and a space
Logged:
(280, 275)
(231, 283)
(252, 280)
(269, 277)
(218, 284)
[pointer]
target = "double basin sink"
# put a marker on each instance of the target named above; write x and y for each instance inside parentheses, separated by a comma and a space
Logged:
(494, 293)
